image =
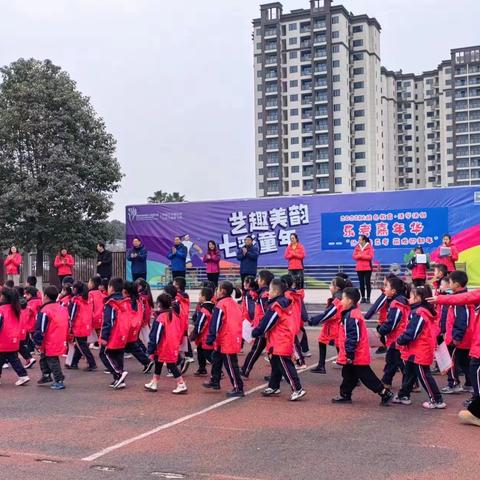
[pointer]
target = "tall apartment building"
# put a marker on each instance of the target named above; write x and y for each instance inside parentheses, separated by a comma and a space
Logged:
(329, 118)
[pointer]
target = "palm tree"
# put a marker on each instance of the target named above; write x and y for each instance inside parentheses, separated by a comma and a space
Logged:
(162, 197)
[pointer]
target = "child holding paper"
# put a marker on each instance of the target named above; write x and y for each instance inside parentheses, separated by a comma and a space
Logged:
(419, 264)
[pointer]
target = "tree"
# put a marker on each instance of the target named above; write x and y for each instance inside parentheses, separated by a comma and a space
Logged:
(57, 162)
(163, 197)
(115, 231)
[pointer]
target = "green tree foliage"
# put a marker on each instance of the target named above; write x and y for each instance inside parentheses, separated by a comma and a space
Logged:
(57, 162)
(115, 231)
(163, 197)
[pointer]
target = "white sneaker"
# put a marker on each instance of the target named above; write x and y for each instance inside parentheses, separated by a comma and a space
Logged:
(297, 395)
(22, 381)
(307, 354)
(128, 356)
(433, 405)
(120, 386)
(6, 365)
(300, 368)
(151, 387)
(268, 392)
(189, 359)
(121, 380)
(401, 400)
(267, 359)
(181, 388)
(169, 374)
(30, 363)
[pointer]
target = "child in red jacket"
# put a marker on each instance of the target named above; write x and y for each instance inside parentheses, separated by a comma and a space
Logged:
(393, 327)
(184, 302)
(146, 299)
(279, 326)
(97, 297)
(201, 321)
(419, 270)
(419, 343)
(81, 312)
(225, 335)
(163, 345)
(10, 333)
(354, 352)
(264, 278)
(50, 337)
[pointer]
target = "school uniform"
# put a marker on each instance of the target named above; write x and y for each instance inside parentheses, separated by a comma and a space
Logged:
(163, 342)
(28, 317)
(51, 331)
(419, 272)
(460, 327)
(97, 299)
(392, 328)
(81, 322)
(134, 346)
(418, 343)
(24, 348)
(114, 334)
(380, 307)
(279, 327)
(146, 320)
(354, 354)
(225, 334)
(296, 299)
(201, 320)
(183, 301)
(10, 333)
(249, 300)
(259, 343)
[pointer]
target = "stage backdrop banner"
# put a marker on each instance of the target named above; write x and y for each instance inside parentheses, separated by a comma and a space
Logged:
(327, 225)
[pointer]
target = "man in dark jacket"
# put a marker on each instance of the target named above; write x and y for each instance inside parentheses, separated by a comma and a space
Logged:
(178, 256)
(104, 261)
(138, 258)
(248, 256)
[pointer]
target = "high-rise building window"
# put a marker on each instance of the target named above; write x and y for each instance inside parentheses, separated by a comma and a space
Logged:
(292, 41)
(293, 83)
(292, 26)
(293, 69)
(294, 141)
(335, 19)
(357, 29)
(293, 156)
(335, 34)
(336, 63)
(337, 165)
(358, 43)
(357, 56)
(337, 122)
(358, 85)
(359, 113)
(335, 48)
(359, 127)
(336, 107)
(359, 155)
(292, 54)
(338, 180)
(359, 141)
(295, 183)
(293, 112)
(358, 71)
(335, 78)
(296, 169)
(358, 99)
(337, 151)
(337, 136)
(362, 183)
(294, 98)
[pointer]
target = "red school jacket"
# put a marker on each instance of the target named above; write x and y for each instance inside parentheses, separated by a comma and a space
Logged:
(260, 306)
(419, 338)
(64, 265)
(10, 329)
(330, 327)
(136, 319)
(12, 264)
(165, 336)
(34, 305)
(363, 257)
(353, 338)
(147, 310)
(449, 262)
(203, 326)
(52, 329)
(460, 325)
(249, 302)
(295, 256)
(227, 317)
(296, 298)
(281, 337)
(81, 316)
(117, 325)
(98, 301)
(397, 317)
(184, 303)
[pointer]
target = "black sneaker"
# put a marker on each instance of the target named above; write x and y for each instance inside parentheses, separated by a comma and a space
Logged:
(235, 394)
(363, 300)
(148, 368)
(319, 369)
(71, 367)
(90, 368)
(213, 386)
(386, 398)
(200, 372)
(341, 399)
(44, 380)
(381, 350)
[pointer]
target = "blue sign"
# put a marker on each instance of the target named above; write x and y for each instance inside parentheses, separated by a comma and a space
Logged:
(385, 228)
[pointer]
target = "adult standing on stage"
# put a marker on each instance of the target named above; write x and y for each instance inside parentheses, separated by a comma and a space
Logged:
(104, 261)
(64, 263)
(295, 254)
(12, 264)
(178, 259)
(137, 256)
(363, 255)
(212, 261)
(248, 256)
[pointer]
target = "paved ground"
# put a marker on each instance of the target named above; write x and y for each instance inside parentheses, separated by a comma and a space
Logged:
(46, 434)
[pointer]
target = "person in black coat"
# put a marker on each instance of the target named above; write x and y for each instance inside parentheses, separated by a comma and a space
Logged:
(104, 261)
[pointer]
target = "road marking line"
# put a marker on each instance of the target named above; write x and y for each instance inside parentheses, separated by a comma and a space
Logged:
(165, 426)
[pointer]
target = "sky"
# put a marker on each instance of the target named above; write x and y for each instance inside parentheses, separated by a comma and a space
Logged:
(173, 80)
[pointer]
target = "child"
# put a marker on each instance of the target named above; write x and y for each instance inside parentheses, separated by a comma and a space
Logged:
(419, 342)
(419, 270)
(32, 282)
(300, 292)
(444, 289)
(460, 327)
(81, 321)
(249, 298)
(394, 326)
(439, 271)
(10, 333)
(97, 298)
(145, 296)
(330, 320)
(354, 352)
(134, 309)
(202, 320)
(296, 300)
(65, 296)
(103, 287)
(279, 326)
(184, 302)
(50, 337)
(163, 345)
(264, 279)
(30, 305)
(225, 335)
(114, 334)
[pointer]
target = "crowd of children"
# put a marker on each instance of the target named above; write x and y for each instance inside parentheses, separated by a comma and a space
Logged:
(120, 318)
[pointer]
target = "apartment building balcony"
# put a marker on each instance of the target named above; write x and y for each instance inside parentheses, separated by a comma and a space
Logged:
(306, 43)
(270, 32)
(305, 57)
(305, 28)
(319, 25)
(304, 72)
(271, 60)
(319, 39)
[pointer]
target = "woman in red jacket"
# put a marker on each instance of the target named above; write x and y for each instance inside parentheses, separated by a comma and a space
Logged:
(295, 254)
(12, 264)
(212, 262)
(64, 263)
(10, 332)
(363, 255)
(449, 257)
